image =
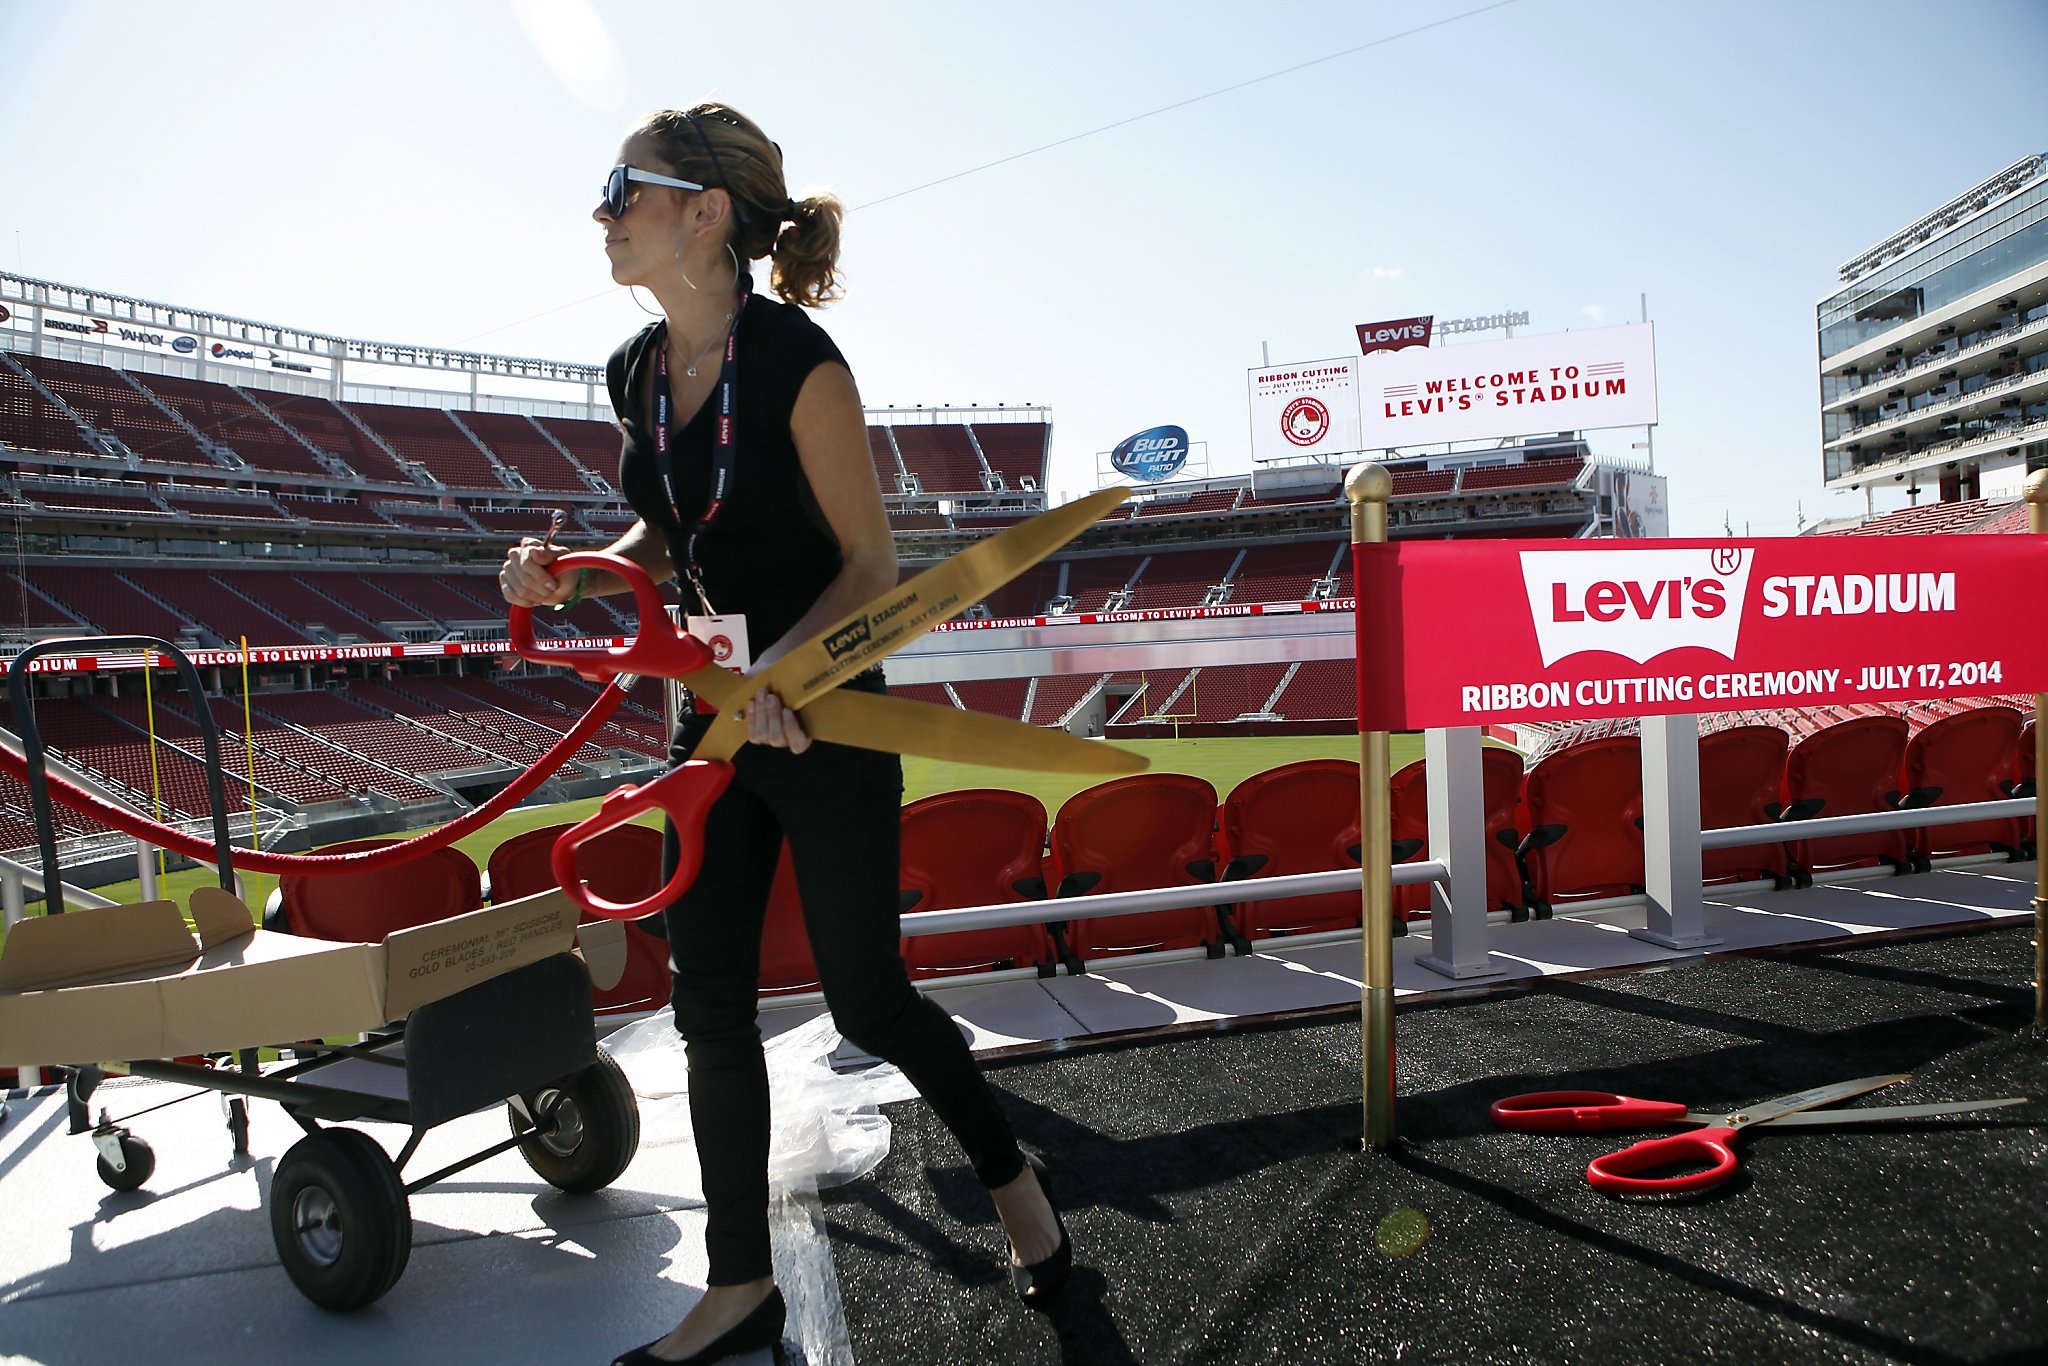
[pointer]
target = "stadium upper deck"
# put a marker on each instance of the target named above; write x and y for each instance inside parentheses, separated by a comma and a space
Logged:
(382, 477)
(206, 479)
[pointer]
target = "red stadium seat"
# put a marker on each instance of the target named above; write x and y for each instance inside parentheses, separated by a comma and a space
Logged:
(1742, 771)
(1149, 830)
(977, 847)
(1297, 818)
(1850, 767)
(1967, 757)
(1501, 777)
(623, 864)
(1585, 823)
(1408, 809)
(362, 907)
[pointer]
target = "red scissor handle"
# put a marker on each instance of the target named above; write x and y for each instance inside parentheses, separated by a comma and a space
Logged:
(1706, 1148)
(686, 794)
(658, 651)
(1581, 1112)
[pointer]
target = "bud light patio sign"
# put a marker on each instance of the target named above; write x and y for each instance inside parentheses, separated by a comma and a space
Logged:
(1152, 455)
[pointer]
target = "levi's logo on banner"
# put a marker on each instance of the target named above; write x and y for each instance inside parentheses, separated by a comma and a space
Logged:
(1637, 604)
(1566, 630)
(1394, 334)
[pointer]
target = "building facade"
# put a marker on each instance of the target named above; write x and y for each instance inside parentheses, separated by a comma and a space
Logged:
(1934, 349)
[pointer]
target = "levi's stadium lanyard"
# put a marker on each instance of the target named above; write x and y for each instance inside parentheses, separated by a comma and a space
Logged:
(724, 443)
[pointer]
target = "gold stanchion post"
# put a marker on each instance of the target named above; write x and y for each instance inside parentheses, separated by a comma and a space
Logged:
(2037, 522)
(1368, 486)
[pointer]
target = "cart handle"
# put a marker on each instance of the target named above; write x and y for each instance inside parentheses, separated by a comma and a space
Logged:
(658, 649)
(686, 794)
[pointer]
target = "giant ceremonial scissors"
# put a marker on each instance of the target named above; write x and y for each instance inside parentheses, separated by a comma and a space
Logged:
(1710, 1149)
(805, 680)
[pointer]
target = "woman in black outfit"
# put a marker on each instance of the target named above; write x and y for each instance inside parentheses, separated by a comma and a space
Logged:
(798, 540)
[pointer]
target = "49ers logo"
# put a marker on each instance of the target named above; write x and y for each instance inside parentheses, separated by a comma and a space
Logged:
(1636, 603)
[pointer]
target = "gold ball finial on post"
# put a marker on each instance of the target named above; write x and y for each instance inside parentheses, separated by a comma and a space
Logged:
(1368, 486)
(1368, 481)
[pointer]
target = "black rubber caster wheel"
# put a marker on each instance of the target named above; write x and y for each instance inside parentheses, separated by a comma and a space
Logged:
(584, 1129)
(138, 1162)
(238, 1125)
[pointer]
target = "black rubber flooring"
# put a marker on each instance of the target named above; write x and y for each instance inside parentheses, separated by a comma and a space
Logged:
(1221, 1211)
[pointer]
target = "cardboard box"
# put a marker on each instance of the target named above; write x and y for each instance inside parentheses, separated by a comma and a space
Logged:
(122, 983)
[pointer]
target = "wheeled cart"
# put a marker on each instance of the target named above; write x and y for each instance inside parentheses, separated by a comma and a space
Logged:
(338, 1203)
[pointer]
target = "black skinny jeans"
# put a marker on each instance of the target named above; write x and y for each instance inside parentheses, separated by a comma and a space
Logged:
(839, 808)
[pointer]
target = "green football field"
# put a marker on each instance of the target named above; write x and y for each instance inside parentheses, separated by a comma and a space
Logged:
(1224, 762)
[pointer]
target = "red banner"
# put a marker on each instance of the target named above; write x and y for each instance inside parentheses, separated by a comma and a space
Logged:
(1462, 633)
(1394, 334)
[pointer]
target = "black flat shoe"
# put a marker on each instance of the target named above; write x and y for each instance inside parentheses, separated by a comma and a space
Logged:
(1038, 1282)
(762, 1328)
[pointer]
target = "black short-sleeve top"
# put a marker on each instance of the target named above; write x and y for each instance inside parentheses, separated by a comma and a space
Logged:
(770, 553)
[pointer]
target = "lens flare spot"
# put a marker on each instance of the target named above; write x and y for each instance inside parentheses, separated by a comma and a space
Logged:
(1402, 1233)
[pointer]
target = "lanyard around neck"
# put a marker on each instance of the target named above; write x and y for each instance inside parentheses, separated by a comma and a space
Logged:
(724, 442)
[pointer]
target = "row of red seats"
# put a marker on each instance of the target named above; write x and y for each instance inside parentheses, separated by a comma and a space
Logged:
(1571, 827)
(971, 848)
(1581, 834)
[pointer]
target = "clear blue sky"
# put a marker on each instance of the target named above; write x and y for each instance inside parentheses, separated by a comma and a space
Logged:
(418, 172)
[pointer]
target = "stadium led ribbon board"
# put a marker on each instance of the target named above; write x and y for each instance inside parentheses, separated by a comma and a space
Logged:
(1565, 630)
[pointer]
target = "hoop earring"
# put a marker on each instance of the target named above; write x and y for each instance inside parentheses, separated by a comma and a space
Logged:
(651, 312)
(729, 284)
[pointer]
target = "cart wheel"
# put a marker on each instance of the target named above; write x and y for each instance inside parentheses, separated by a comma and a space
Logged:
(339, 1218)
(585, 1130)
(238, 1124)
(138, 1161)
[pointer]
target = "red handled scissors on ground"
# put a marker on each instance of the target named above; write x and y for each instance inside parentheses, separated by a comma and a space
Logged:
(1710, 1150)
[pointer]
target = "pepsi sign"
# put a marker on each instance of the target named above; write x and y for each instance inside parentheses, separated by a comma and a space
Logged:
(1151, 455)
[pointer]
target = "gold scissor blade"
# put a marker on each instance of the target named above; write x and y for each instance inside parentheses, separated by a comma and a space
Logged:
(899, 616)
(934, 731)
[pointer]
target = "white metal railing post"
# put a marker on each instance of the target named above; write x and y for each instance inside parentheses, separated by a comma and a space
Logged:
(1457, 839)
(13, 905)
(1671, 834)
(145, 868)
